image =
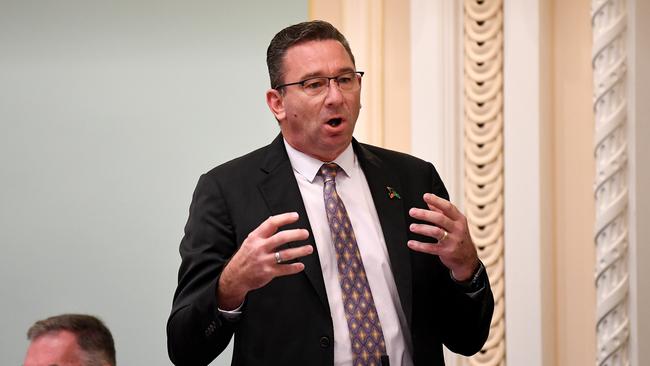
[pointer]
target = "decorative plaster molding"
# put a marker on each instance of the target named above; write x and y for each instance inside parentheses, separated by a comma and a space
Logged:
(483, 145)
(609, 61)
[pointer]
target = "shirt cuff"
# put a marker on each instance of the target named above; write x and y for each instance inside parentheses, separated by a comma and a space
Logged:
(231, 314)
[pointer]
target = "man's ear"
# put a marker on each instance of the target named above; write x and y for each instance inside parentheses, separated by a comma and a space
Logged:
(276, 103)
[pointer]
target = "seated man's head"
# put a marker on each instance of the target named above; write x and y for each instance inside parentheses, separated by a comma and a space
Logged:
(70, 340)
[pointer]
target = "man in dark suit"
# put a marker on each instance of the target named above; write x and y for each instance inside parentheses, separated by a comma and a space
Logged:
(319, 250)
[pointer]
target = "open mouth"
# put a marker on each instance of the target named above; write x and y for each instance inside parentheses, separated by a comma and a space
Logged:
(334, 122)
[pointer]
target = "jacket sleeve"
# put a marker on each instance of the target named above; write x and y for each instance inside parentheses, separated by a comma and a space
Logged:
(467, 329)
(196, 332)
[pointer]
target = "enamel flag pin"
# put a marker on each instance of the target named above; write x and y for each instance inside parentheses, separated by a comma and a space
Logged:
(392, 193)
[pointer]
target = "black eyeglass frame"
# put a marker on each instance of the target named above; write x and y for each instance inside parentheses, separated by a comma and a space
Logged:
(329, 78)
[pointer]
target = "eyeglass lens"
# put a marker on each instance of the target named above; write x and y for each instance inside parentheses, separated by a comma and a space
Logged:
(346, 82)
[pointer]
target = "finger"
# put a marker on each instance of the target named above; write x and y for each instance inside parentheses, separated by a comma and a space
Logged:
(273, 223)
(289, 269)
(294, 253)
(427, 230)
(433, 208)
(421, 247)
(285, 236)
(437, 218)
(443, 205)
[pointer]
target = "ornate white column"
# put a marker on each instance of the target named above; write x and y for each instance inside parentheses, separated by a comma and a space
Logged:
(611, 187)
(483, 146)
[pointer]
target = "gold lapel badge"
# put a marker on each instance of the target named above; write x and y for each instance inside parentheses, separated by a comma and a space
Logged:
(392, 193)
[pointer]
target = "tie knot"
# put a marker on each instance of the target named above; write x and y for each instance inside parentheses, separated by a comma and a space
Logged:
(328, 171)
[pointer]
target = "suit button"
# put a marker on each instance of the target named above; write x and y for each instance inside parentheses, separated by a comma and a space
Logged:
(324, 342)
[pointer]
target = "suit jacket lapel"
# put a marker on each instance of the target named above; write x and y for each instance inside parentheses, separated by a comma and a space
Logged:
(391, 217)
(281, 192)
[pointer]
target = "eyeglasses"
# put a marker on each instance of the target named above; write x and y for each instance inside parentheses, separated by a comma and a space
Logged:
(349, 82)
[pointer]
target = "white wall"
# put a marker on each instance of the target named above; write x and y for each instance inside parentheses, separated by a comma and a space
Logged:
(436, 89)
(529, 296)
(109, 112)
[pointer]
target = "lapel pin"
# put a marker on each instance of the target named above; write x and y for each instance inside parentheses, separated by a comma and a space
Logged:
(392, 193)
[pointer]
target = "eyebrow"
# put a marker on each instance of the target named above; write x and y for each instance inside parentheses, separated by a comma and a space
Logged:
(319, 74)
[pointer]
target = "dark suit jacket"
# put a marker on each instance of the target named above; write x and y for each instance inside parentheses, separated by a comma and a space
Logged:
(288, 321)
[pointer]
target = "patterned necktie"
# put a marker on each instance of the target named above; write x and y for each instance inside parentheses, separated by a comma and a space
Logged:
(366, 336)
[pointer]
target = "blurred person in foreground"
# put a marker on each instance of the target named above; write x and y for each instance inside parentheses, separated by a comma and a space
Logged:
(318, 249)
(70, 340)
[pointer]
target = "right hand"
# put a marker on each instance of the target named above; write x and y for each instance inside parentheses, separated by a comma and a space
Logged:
(254, 264)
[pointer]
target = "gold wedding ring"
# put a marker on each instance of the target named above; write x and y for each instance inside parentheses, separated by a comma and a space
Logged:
(444, 236)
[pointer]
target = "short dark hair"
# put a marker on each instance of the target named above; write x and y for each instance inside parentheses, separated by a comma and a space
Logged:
(93, 337)
(315, 30)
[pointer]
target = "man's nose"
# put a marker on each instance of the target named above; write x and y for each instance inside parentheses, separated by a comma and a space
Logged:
(334, 94)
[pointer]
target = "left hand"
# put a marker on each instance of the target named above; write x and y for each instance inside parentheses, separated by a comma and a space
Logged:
(455, 249)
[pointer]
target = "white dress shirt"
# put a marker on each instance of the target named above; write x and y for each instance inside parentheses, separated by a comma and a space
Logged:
(352, 187)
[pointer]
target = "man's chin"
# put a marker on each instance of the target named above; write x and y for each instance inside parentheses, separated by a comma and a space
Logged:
(326, 152)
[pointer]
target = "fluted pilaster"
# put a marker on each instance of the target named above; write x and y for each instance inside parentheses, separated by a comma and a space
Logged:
(483, 145)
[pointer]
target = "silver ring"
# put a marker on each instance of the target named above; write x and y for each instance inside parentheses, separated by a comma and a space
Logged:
(278, 259)
(444, 236)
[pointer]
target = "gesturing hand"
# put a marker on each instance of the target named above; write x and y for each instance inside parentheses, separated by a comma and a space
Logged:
(455, 247)
(257, 262)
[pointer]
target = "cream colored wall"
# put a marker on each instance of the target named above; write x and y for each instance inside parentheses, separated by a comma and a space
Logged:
(640, 214)
(397, 76)
(573, 171)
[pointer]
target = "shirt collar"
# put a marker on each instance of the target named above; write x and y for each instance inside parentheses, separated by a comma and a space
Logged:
(309, 167)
